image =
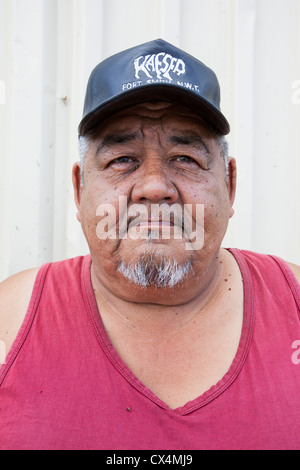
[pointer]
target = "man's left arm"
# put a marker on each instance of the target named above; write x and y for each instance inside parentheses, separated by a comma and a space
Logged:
(296, 270)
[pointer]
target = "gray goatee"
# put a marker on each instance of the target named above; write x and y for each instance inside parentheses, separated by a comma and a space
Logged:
(153, 270)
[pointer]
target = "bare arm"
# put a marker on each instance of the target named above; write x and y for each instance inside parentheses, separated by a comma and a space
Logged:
(15, 293)
(296, 270)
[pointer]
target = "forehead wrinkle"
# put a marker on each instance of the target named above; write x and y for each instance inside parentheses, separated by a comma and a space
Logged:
(119, 136)
(155, 129)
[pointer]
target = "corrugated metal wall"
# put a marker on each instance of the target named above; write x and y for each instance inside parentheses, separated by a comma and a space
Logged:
(49, 47)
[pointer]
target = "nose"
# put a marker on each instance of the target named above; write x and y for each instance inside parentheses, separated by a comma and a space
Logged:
(154, 183)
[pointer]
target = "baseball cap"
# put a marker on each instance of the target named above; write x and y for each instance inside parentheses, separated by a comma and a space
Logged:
(156, 70)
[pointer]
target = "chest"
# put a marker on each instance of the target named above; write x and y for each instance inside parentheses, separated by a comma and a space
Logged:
(179, 367)
(89, 404)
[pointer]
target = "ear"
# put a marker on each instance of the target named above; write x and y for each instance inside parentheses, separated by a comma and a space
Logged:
(76, 179)
(231, 183)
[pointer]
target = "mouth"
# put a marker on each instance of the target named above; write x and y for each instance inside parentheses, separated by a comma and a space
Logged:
(156, 228)
(168, 219)
(151, 224)
(162, 222)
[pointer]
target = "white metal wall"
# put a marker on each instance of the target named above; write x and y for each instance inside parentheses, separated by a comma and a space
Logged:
(49, 47)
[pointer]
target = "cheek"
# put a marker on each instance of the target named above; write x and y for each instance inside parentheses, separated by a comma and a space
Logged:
(91, 199)
(210, 193)
(95, 193)
(216, 219)
(215, 200)
(99, 215)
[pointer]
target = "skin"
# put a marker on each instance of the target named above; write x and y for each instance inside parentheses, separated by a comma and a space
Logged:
(181, 341)
(155, 167)
(170, 157)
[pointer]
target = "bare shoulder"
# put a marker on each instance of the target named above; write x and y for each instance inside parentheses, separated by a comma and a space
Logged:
(296, 270)
(15, 293)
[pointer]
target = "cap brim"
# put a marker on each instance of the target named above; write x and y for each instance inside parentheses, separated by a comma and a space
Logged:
(164, 92)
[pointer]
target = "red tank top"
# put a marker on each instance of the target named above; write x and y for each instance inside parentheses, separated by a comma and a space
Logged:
(65, 387)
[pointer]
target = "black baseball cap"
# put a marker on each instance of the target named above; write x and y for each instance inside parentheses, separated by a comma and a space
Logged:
(152, 71)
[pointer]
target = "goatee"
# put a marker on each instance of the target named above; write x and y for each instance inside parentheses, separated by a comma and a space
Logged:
(155, 270)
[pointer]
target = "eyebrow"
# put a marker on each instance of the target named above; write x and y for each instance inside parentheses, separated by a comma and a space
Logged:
(193, 139)
(115, 139)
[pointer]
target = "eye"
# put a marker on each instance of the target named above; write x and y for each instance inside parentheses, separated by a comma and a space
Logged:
(185, 158)
(188, 162)
(123, 163)
(121, 160)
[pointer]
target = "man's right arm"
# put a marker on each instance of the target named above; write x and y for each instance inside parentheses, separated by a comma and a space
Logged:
(15, 293)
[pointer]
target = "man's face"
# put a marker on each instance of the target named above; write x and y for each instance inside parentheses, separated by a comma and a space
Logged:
(149, 155)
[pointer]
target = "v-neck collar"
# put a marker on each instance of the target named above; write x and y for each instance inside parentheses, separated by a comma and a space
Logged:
(214, 391)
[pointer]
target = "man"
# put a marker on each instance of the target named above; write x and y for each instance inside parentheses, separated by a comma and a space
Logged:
(160, 339)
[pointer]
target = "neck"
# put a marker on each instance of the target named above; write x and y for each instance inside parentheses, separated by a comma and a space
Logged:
(162, 310)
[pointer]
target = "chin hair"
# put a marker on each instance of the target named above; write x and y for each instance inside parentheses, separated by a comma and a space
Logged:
(155, 270)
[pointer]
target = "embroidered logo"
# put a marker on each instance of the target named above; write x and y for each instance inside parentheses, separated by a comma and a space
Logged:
(160, 66)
